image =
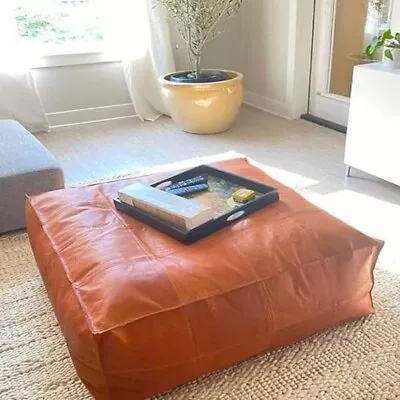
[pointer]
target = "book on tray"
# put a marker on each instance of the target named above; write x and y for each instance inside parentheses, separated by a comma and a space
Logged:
(181, 212)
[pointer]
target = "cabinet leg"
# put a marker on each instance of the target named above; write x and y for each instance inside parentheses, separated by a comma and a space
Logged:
(348, 170)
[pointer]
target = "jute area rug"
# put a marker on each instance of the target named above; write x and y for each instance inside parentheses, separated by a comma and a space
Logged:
(358, 360)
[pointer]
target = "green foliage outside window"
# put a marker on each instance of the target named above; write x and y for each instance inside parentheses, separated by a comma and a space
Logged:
(56, 27)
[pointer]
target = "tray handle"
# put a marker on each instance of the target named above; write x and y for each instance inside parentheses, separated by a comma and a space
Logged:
(235, 216)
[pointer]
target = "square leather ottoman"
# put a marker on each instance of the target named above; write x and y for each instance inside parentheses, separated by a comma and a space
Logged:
(142, 313)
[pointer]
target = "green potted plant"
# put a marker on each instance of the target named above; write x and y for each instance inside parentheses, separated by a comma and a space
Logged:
(390, 44)
(200, 100)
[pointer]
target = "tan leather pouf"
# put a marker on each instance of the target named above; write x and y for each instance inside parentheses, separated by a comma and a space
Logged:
(142, 313)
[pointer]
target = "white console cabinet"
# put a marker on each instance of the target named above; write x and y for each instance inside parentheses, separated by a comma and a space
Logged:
(373, 135)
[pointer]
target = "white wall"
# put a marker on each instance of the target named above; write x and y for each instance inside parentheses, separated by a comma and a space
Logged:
(265, 56)
(82, 86)
(395, 24)
(99, 89)
(276, 54)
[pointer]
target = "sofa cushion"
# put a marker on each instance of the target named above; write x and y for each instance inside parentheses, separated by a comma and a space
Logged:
(21, 152)
(26, 167)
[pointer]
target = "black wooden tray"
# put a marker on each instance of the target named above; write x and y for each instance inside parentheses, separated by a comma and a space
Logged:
(222, 185)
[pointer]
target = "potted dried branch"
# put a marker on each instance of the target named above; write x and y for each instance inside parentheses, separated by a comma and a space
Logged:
(201, 101)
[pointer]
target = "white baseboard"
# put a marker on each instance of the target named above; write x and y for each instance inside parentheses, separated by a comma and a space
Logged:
(86, 115)
(95, 114)
(267, 104)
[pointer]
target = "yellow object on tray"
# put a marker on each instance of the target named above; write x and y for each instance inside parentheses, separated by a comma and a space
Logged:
(244, 195)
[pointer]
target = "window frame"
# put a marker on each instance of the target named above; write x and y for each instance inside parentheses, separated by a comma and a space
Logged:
(75, 58)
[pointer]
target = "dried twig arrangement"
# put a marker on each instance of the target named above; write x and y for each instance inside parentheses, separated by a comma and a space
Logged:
(198, 21)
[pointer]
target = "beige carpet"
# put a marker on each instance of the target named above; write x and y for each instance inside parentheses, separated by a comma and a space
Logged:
(359, 360)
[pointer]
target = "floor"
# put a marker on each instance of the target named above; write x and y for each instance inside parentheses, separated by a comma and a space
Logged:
(305, 156)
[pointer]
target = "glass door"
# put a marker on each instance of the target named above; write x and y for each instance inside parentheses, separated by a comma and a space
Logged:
(342, 30)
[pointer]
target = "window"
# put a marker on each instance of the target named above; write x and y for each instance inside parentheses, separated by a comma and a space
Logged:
(56, 27)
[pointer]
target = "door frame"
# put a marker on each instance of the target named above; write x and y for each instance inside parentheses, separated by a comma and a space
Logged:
(322, 103)
(300, 43)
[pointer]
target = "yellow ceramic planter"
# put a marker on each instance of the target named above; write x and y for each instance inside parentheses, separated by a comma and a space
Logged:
(204, 108)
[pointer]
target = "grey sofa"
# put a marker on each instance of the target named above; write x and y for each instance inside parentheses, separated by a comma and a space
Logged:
(26, 167)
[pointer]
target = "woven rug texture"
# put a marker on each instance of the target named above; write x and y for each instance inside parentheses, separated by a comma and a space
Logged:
(357, 360)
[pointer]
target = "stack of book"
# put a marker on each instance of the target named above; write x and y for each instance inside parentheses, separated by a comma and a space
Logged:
(185, 214)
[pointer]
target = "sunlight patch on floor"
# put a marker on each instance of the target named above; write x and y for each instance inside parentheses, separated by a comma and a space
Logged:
(375, 217)
(288, 178)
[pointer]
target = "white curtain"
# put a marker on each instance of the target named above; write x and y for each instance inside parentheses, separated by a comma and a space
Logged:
(139, 31)
(19, 98)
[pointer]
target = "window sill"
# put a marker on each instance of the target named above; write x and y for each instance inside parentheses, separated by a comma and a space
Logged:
(75, 58)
